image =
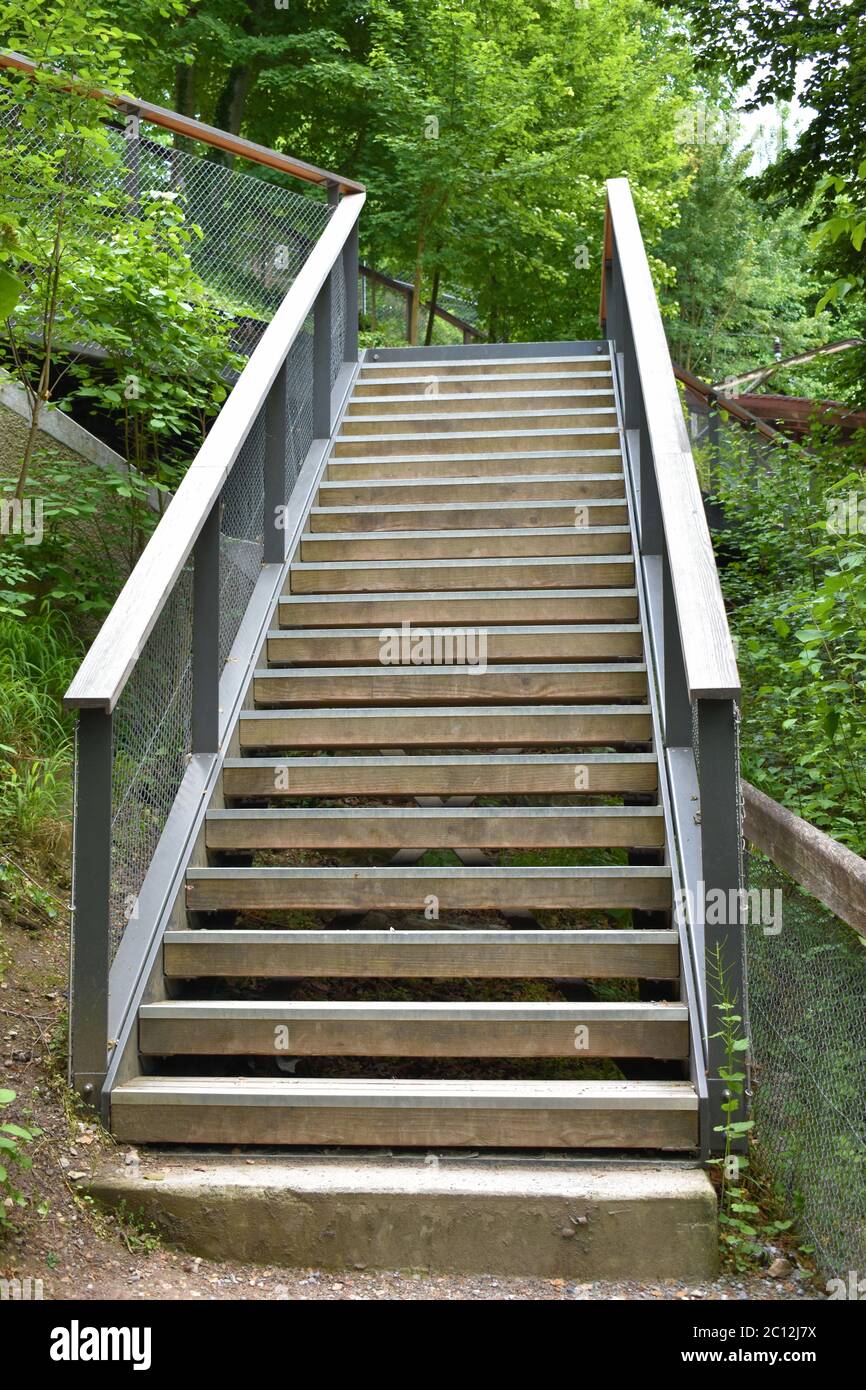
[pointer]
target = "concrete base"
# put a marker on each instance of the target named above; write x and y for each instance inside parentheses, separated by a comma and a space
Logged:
(572, 1220)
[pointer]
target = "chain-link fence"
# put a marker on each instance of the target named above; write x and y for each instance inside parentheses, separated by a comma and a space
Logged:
(152, 730)
(255, 235)
(807, 997)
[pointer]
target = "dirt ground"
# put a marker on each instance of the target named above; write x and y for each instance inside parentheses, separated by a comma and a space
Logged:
(79, 1252)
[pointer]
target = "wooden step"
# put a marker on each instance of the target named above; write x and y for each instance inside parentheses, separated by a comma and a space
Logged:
(487, 608)
(435, 422)
(398, 576)
(467, 683)
(487, 726)
(428, 399)
(435, 827)
(434, 955)
(302, 1028)
(408, 1114)
(517, 489)
(455, 888)
(483, 543)
(466, 384)
(444, 366)
(552, 462)
(377, 443)
(466, 516)
(479, 774)
(544, 642)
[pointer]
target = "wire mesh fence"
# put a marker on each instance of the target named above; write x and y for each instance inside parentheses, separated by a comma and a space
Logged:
(241, 534)
(254, 233)
(152, 739)
(253, 236)
(807, 998)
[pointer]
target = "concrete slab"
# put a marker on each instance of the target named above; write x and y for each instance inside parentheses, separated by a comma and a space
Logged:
(573, 1220)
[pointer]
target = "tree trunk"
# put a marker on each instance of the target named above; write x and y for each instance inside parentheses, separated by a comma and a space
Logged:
(416, 291)
(184, 88)
(229, 110)
(434, 295)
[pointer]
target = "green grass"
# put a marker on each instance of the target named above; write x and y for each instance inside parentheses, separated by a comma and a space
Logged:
(38, 656)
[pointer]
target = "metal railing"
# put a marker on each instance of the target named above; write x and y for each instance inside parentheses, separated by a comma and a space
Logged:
(392, 302)
(807, 992)
(697, 683)
(159, 689)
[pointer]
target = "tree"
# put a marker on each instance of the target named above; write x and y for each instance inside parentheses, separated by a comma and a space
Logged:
(56, 166)
(743, 272)
(495, 130)
(778, 45)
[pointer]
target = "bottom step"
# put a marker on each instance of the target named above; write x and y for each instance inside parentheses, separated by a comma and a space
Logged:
(574, 1220)
(408, 1114)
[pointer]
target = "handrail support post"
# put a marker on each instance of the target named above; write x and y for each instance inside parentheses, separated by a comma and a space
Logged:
(91, 895)
(276, 443)
(350, 279)
(322, 360)
(722, 899)
(677, 710)
(206, 635)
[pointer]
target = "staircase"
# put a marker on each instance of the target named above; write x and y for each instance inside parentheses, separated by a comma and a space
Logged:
(437, 893)
(407, 762)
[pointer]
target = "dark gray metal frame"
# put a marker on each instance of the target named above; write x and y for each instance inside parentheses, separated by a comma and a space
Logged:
(696, 732)
(103, 993)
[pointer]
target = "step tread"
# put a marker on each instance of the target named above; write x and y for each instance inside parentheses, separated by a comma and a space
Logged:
(496, 561)
(554, 431)
(487, 481)
(288, 1009)
(424, 872)
(449, 760)
(528, 359)
(407, 508)
(604, 372)
(601, 456)
(513, 630)
(328, 1092)
(432, 711)
(534, 414)
(421, 398)
(455, 595)
(607, 936)
(443, 813)
(451, 668)
(479, 533)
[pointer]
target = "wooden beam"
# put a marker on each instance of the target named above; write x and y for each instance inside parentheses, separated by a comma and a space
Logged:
(832, 873)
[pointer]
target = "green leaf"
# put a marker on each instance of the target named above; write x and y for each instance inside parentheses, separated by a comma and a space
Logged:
(11, 290)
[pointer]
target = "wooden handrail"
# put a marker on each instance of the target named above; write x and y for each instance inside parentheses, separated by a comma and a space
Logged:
(102, 675)
(707, 649)
(198, 130)
(829, 871)
(714, 395)
(407, 290)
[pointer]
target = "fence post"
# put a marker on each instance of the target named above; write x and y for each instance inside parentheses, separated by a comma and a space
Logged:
(206, 635)
(722, 867)
(276, 426)
(677, 705)
(350, 277)
(91, 895)
(322, 361)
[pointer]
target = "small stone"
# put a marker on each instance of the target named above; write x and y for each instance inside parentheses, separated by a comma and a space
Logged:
(780, 1268)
